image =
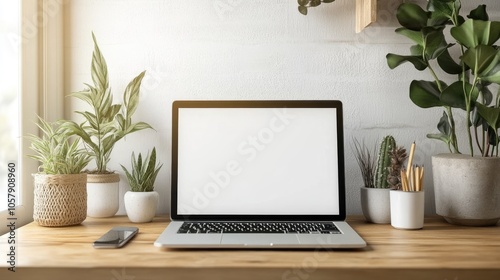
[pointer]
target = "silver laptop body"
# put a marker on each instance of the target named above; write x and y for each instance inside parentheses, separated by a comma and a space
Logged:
(240, 166)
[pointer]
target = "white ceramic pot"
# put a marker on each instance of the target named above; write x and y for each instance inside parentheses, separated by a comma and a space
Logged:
(467, 189)
(141, 206)
(407, 209)
(103, 199)
(375, 204)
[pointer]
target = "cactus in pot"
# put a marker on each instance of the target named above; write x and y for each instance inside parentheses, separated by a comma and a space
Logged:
(375, 196)
(384, 161)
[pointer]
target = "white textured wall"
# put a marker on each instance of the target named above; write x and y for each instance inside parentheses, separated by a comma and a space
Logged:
(232, 49)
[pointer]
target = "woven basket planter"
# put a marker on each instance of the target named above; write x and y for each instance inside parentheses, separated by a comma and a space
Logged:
(60, 200)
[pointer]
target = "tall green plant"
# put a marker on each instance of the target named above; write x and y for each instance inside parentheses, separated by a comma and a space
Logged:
(142, 174)
(106, 123)
(55, 151)
(475, 67)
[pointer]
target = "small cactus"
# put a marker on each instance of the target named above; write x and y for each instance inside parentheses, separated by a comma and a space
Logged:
(398, 157)
(383, 163)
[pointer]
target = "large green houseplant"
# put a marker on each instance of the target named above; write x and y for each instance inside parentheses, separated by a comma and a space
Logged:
(103, 126)
(469, 64)
(60, 196)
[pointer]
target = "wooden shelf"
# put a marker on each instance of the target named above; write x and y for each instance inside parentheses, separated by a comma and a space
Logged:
(366, 13)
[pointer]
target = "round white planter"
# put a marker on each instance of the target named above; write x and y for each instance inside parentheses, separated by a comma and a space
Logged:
(467, 189)
(141, 206)
(103, 199)
(376, 206)
(407, 209)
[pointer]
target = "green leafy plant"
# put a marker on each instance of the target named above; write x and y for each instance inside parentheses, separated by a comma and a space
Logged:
(143, 174)
(305, 4)
(56, 152)
(472, 62)
(106, 123)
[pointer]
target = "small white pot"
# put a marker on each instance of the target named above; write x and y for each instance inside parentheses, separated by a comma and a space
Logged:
(141, 206)
(375, 205)
(103, 199)
(407, 209)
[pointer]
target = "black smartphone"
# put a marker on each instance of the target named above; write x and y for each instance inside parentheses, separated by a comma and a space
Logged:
(116, 237)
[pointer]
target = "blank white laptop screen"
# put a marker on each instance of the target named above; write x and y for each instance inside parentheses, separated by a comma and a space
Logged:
(257, 161)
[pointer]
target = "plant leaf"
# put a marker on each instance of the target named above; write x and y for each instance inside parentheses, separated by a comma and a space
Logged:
(394, 60)
(476, 32)
(492, 76)
(425, 94)
(415, 36)
(138, 126)
(444, 128)
(490, 114)
(412, 16)
(303, 10)
(434, 42)
(481, 59)
(99, 67)
(454, 95)
(479, 13)
(131, 95)
(448, 64)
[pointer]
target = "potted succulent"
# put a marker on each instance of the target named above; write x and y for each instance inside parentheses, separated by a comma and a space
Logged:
(467, 187)
(104, 125)
(60, 186)
(141, 201)
(379, 177)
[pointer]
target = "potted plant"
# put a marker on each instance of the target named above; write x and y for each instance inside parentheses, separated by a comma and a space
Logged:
(467, 187)
(105, 124)
(379, 177)
(141, 201)
(60, 186)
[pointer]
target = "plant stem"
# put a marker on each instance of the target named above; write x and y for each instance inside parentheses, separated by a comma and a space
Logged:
(477, 141)
(449, 112)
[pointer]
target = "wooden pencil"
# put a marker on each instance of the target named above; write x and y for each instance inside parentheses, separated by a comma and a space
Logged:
(410, 160)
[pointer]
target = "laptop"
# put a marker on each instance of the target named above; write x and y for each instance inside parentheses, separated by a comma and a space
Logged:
(258, 174)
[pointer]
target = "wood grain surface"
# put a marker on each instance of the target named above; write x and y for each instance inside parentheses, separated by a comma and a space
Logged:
(438, 251)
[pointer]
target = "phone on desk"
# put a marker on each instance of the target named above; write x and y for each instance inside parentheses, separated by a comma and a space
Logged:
(116, 237)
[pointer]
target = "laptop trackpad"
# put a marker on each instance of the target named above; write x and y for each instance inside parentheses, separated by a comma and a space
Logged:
(259, 239)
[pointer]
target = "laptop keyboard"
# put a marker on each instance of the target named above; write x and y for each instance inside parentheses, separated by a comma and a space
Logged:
(259, 227)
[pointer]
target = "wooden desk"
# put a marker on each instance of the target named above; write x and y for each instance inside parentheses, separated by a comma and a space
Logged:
(439, 251)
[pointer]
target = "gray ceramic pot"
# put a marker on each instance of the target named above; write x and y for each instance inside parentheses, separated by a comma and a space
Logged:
(376, 206)
(467, 189)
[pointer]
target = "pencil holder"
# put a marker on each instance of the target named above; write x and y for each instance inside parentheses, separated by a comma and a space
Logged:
(407, 209)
